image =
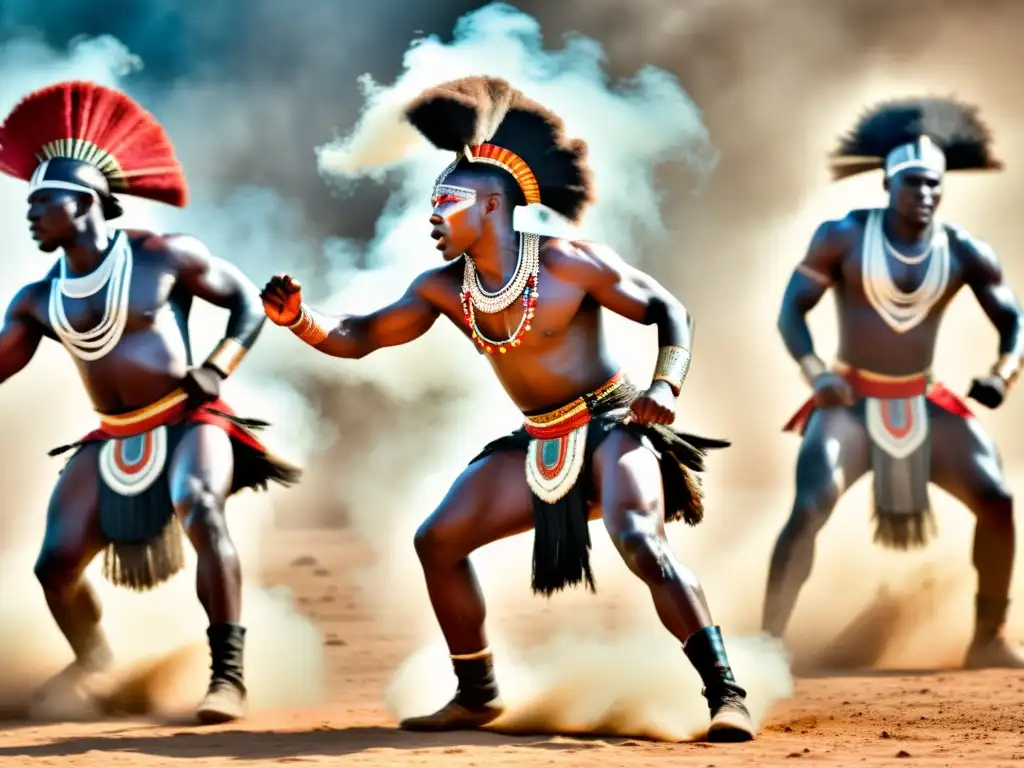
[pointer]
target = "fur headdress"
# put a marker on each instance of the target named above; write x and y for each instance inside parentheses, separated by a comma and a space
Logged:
(943, 134)
(485, 120)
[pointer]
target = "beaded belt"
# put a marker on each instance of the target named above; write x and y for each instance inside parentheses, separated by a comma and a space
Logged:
(568, 417)
(882, 386)
(145, 418)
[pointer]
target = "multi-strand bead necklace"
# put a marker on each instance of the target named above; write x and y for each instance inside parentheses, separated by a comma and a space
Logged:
(523, 283)
(115, 273)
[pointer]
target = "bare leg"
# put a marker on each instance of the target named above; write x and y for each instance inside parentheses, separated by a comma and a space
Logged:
(966, 464)
(632, 505)
(835, 453)
(200, 478)
(73, 538)
(489, 501)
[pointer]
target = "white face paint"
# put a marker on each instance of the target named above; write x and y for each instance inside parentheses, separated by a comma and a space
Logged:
(449, 200)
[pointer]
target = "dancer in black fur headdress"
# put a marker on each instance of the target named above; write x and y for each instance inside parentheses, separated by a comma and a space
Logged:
(878, 409)
(591, 443)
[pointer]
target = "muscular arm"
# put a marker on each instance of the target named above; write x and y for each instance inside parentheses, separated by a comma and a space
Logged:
(222, 284)
(628, 292)
(405, 320)
(20, 335)
(984, 275)
(813, 276)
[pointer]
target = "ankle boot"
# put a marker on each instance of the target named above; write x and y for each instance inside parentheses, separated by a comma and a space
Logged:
(226, 698)
(730, 720)
(988, 647)
(476, 701)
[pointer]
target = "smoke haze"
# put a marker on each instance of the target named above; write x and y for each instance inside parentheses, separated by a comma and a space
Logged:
(761, 96)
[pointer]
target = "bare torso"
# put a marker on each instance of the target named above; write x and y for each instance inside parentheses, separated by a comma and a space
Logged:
(563, 356)
(153, 354)
(865, 339)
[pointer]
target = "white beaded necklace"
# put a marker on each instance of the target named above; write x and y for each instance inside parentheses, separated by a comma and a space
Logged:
(97, 341)
(901, 310)
(527, 266)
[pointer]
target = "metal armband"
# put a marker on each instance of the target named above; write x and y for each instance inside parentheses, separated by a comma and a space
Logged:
(811, 367)
(813, 274)
(672, 367)
(1008, 369)
(226, 357)
(308, 328)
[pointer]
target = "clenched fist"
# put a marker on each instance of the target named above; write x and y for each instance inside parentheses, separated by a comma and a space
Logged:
(990, 391)
(655, 406)
(832, 390)
(282, 299)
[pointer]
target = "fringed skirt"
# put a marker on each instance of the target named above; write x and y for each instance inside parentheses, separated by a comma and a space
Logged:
(559, 448)
(896, 413)
(136, 513)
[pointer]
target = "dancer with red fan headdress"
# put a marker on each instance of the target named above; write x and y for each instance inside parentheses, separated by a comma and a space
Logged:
(878, 410)
(530, 295)
(168, 451)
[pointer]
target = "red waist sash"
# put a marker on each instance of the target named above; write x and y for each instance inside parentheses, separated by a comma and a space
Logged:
(169, 410)
(870, 384)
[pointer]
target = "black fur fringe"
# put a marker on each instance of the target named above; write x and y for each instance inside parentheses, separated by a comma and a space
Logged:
(244, 423)
(257, 470)
(561, 545)
(904, 531)
(682, 457)
(141, 566)
(561, 539)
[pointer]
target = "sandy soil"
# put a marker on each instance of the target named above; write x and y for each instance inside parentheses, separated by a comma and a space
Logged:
(880, 718)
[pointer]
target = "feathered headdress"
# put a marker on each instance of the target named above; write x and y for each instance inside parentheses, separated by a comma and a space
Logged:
(89, 138)
(485, 120)
(937, 134)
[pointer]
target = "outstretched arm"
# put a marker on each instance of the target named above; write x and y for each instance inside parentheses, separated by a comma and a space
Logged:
(20, 335)
(353, 336)
(984, 275)
(814, 275)
(222, 284)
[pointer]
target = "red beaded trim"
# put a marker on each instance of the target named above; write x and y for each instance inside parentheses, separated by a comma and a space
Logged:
(560, 429)
(529, 309)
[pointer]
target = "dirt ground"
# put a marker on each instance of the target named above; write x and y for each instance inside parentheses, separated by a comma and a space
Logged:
(868, 719)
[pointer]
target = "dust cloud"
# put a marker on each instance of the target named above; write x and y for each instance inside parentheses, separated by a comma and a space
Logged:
(762, 93)
(777, 85)
(647, 121)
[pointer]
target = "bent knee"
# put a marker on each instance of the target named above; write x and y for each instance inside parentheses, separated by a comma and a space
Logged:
(647, 554)
(436, 542)
(429, 541)
(995, 502)
(1000, 496)
(812, 508)
(58, 570)
(198, 505)
(201, 511)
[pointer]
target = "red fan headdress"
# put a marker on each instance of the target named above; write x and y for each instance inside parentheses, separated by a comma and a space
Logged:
(89, 138)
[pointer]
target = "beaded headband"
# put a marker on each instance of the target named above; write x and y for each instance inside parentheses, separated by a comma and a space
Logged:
(502, 158)
(923, 154)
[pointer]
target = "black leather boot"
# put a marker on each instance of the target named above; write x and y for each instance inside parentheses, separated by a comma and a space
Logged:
(226, 698)
(730, 720)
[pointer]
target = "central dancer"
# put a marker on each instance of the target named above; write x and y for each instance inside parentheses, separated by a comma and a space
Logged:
(591, 445)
